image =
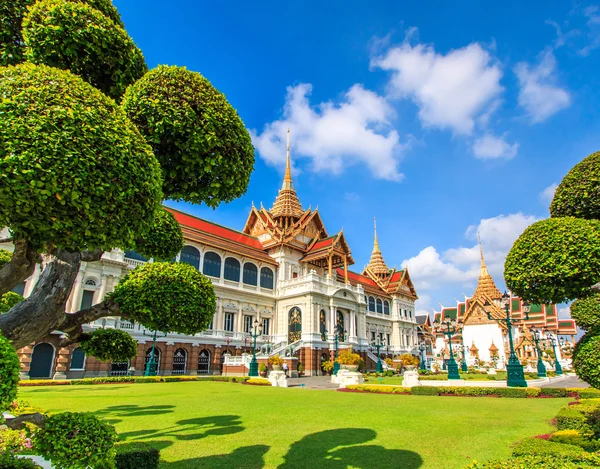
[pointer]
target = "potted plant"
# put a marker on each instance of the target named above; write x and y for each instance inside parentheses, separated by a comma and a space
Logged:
(348, 360)
(276, 362)
(409, 362)
(300, 369)
(262, 369)
(327, 367)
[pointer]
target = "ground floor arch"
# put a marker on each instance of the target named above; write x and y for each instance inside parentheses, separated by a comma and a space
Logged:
(42, 361)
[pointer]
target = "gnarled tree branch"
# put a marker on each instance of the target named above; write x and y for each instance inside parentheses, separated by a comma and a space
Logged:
(20, 267)
(18, 423)
(71, 324)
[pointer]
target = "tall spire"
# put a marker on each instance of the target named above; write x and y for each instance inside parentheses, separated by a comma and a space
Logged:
(287, 204)
(377, 264)
(485, 284)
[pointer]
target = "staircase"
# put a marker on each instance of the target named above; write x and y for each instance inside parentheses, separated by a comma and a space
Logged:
(286, 350)
(373, 357)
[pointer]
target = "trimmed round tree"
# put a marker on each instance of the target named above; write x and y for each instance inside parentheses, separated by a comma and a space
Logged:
(167, 297)
(110, 345)
(76, 172)
(8, 300)
(555, 260)
(202, 144)
(12, 13)
(77, 37)
(164, 239)
(586, 312)
(4, 257)
(9, 373)
(586, 358)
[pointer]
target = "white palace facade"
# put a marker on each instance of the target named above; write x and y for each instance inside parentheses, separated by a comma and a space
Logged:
(284, 270)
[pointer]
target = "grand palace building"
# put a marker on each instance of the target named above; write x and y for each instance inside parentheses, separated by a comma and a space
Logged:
(284, 271)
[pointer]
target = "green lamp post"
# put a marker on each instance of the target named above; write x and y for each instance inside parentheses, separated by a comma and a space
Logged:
(422, 348)
(340, 333)
(152, 363)
(449, 328)
(541, 368)
(516, 377)
(257, 331)
(380, 343)
(557, 366)
(463, 366)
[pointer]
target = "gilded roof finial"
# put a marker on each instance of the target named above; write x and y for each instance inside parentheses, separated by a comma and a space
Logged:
(484, 270)
(376, 243)
(287, 203)
(377, 264)
(485, 284)
(287, 179)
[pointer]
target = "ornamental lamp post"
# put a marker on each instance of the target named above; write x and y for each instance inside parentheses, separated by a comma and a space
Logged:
(515, 375)
(257, 331)
(449, 327)
(380, 343)
(336, 340)
(541, 368)
(422, 348)
(152, 362)
(463, 367)
(557, 365)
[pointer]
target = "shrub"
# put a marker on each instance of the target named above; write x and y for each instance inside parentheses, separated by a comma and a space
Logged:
(136, 455)
(276, 360)
(193, 130)
(539, 447)
(14, 441)
(409, 360)
(93, 444)
(586, 358)
(76, 37)
(582, 461)
(9, 373)
(346, 357)
(327, 366)
(576, 438)
(554, 392)
(110, 345)
(258, 382)
(169, 297)
(262, 367)
(586, 312)
(588, 393)
(569, 418)
(164, 239)
(593, 422)
(378, 389)
(425, 391)
(8, 461)
(99, 199)
(8, 300)
(45, 382)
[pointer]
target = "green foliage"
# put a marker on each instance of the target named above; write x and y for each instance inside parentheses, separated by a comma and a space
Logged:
(538, 446)
(554, 392)
(586, 358)
(576, 438)
(9, 373)
(74, 171)
(8, 461)
(202, 144)
(76, 440)
(136, 455)
(14, 441)
(570, 418)
(555, 260)
(168, 297)
(588, 393)
(373, 388)
(110, 345)
(11, 17)
(262, 367)
(586, 312)
(5, 257)
(593, 422)
(164, 240)
(425, 391)
(408, 360)
(346, 357)
(76, 37)
(579, 192)
(582, 461)
(8, 300)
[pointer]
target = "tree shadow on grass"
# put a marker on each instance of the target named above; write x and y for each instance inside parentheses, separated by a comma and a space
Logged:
(134, 410)
(344, 447)
(247, 457)
(190, 429)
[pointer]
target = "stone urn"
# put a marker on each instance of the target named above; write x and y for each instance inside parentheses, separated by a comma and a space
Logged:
(276, 367)
(352, 368)
(410, 367)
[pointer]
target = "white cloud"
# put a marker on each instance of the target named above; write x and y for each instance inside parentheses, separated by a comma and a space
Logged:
(450, 90)
(334, 135)
(548, 193)
(539, 94)
(454, 272)
(592, 14)
(490, 147)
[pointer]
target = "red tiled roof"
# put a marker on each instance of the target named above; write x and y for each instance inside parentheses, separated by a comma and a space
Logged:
(355, 278)
(397, 276)
(217, 230)
(322, 243)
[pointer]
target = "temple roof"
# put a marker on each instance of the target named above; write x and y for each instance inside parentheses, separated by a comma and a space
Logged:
(376, 264)
(485, 284)
(287, 203)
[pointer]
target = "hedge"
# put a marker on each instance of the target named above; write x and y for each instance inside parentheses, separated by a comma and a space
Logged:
(462, 391)
(425, 391)
(258, 382)
(131, 380)
(372, 388)
(570, 418)
(583, 461)
(576, 438)
(539, 447)
(136, 455)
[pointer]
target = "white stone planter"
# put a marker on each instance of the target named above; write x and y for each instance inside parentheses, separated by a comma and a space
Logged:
(38, 460)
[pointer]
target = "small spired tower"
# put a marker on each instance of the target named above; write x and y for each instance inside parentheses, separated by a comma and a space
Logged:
(377, 265)
(287, 208)
(486, 285)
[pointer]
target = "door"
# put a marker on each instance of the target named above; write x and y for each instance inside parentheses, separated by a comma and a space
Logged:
(204, 362)
(41, 361)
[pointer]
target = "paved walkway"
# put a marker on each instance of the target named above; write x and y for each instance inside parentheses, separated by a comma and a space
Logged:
(313, 382)
(567, 382)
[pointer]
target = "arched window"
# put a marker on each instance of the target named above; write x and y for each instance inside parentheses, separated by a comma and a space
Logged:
(340, 326)
(179, 361)
(250, 274)
(323, 324)
(266, 278)
(371, 304)
(77, 359)
(295, 324)
(42, 361)
(212, 264)
(386, 307)
(204, 362)
(190, 255)
(232, 269)
(90, 282)
(366, 303)
(379, 306)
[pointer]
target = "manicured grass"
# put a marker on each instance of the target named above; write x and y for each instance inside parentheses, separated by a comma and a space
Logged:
(225, 426)
(395, 380)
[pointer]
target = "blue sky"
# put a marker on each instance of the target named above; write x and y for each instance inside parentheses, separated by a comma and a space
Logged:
(441, 119)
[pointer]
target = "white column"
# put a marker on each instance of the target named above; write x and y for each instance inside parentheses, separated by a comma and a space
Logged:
(75, 297)
(99, 295)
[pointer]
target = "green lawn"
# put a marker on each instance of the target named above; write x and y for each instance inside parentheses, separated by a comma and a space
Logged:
(223, 425)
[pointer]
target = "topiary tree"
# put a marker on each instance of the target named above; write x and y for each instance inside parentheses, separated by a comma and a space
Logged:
(558, 260)
(110, 345)
(80, 174)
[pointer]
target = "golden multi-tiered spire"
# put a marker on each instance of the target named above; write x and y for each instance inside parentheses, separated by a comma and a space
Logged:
(377, 264)
(486, 285)
(287, 203)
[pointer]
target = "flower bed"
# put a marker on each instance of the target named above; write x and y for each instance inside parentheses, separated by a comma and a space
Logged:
(258, 382)
(131, 380)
